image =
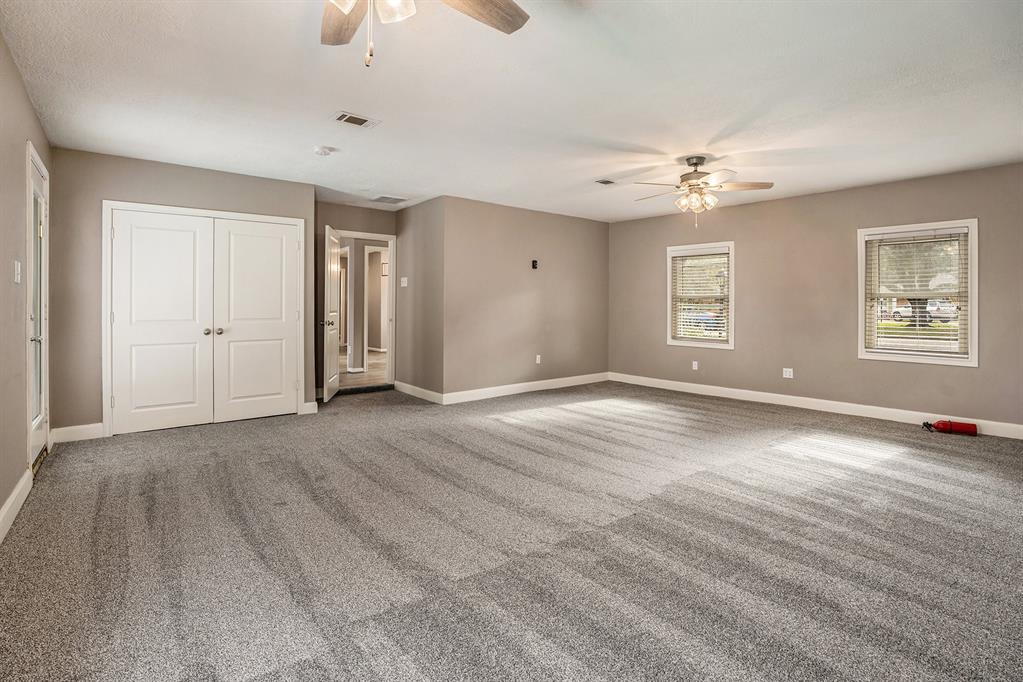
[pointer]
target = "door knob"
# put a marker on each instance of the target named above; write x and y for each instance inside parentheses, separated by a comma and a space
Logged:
(36, 339)
(330, 323)
(207, 331)
(220, 330)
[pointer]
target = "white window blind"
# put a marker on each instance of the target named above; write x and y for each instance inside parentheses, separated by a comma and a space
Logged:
(917, 293)
(701, 298)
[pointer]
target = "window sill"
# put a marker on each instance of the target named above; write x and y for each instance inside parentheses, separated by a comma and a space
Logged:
(730, 345)
(894, 356)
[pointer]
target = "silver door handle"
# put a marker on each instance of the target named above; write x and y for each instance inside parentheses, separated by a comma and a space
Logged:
(207, 331)
(35, 339)
(220, 330)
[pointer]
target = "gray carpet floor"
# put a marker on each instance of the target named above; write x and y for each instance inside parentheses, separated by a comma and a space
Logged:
(604, 531)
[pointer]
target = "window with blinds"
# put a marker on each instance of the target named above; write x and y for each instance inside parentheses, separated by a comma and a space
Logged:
(918, 293)
(700, 293)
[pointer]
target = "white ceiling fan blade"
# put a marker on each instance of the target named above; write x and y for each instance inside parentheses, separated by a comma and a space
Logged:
(657, 184)
(740, 186)
(718, 176)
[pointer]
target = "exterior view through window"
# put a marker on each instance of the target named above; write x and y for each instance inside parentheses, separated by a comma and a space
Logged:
(917, 292)
(700, 294)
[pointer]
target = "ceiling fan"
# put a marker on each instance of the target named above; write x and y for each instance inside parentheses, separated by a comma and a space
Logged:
(341, 18)
(696, 188)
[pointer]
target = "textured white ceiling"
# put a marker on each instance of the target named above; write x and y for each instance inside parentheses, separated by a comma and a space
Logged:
(814, 96)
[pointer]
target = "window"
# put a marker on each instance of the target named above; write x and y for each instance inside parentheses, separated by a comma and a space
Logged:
(918, 293)
(701, 295)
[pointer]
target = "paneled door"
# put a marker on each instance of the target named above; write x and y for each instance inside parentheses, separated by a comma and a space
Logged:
(331, 314)
(256, 309)
(162, 320)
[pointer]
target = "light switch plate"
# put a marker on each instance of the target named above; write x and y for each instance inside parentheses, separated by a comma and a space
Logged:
(538, 358)
(696, 364)
(17, 272)
(404, 281)
(786, 373)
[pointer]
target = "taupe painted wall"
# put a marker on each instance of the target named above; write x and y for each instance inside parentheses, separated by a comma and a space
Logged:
(418, 351)
(342, 217)
(796, 296)
(82, 180)
(18, 124)
(499, 313)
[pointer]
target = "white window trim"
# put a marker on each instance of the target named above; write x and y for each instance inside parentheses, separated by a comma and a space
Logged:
(866, 233)
(699, 250)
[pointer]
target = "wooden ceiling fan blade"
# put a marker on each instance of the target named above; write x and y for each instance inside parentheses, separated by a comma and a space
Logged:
(652, 196)
(504, 15)
(339, 28)
(740, 186)
(718, 176)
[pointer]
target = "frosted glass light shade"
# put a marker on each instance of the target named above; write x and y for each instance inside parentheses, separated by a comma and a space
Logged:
(344, 5)
(391, 11)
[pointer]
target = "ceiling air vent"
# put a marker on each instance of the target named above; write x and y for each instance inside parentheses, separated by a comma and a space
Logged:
(389, 200)
(355, 119)
(605, 181)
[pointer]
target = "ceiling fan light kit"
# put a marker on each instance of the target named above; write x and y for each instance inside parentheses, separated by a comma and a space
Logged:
(696, 188)
(341, 18)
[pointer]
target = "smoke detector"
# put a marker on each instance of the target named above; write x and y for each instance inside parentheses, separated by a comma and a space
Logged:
(324, 150)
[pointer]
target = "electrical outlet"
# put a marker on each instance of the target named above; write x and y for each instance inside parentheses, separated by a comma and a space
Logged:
(404, 281)
(696, 365)
(538, 358)
(786, 372)
(17, 272)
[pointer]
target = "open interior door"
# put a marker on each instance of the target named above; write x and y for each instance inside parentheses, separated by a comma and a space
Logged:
(331, 313)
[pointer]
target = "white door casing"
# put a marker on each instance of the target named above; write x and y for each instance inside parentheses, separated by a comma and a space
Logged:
(256, 308)
(391, 292)
(162, 305)
(36, 277)
(331, 323)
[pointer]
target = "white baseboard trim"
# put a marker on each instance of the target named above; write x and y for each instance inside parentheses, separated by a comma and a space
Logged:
(12, 505)
(498, 391)
(308, 408)
(984, 426)
(378, 350)
(524, 387)
(420, 393)
(67, 434)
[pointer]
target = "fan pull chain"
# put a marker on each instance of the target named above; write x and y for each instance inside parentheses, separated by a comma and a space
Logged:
(368, 61)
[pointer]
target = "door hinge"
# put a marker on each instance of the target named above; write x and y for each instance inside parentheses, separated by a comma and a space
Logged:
(111, 401)
(111, 317)
(111, 231)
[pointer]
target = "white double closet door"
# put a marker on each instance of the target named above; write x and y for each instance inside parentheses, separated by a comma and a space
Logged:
(205, 320)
